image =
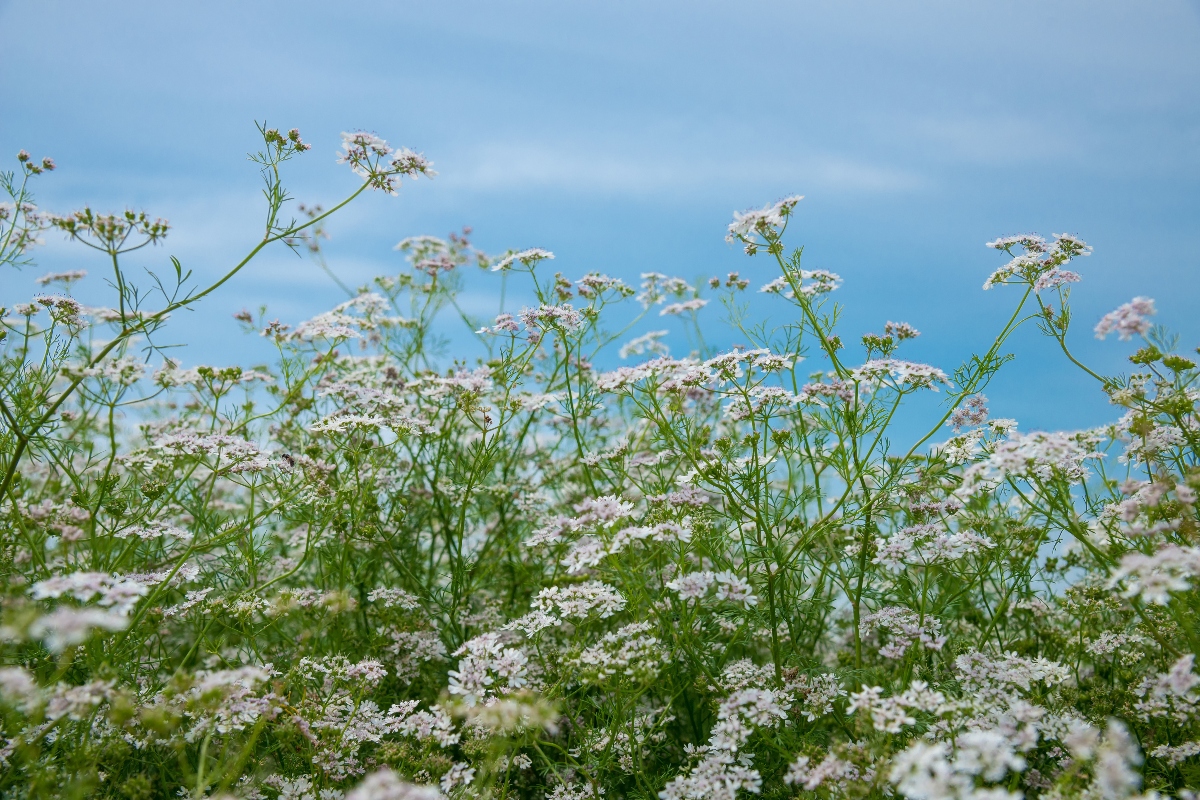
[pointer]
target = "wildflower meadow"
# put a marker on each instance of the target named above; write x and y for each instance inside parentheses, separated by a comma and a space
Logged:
(550, 558)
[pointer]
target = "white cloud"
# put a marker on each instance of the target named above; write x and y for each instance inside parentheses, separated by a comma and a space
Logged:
(583, 167)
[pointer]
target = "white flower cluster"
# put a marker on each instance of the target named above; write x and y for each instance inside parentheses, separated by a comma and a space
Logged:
(651, 342)
(368, 156)
(529, 258)
(729, 587)
(1128, 320)
(1036, 455)
(657, 287)
(765, 224)
(831, 771)
(487, 666)
(932, 771)
(720, 772)
(682, 374)
(1154, 577)
(812, 282)
(114, 591)
(579, 601)
(904, 628)
(1172, 694)
(631, 653)
(898, 374)
(1040, 265)
(760, 400)
(891, 714)
(926, 545)
(67, 626)
(387, 785)
(121, 370)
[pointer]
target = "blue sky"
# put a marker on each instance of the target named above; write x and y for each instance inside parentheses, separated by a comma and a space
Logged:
(622, 135)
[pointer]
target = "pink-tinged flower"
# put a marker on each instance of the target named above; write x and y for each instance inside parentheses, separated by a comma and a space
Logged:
(1030, 241)
(973, 412)
(120, 593)
(1040, 263)
(734, 589)
(434, 725)
(606, 508)
(1056, 278)
(485, 667)
(65, 278)
(1155, 577)
(66, 627)
(631, 652)
(459, 775)
(1128, 319)
(764, 222)
(18, 688)
(580, 601)
(674, 309)
(904, 628)
(656, 287)
(900, 331)
(564, 317)
(528, 257)
(646, 343)
(831, 768)
(923, 545)
(818, 281)
(692, 585)
(505, 323)
(813, 392)
(387, 785)
(912, 374)
(812, 283)
(1037, 455)
(366, 154)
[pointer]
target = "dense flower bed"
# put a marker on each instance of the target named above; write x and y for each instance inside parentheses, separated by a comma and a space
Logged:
(369, 570)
